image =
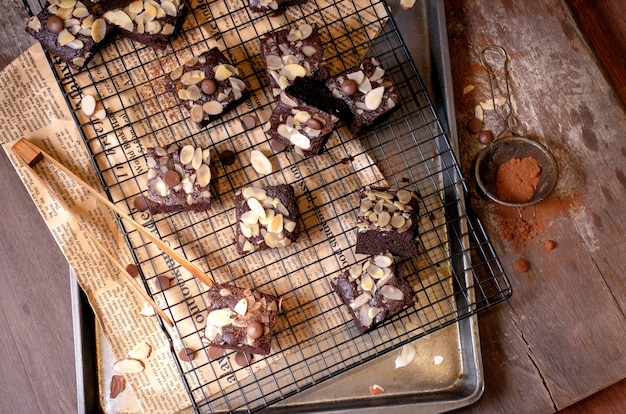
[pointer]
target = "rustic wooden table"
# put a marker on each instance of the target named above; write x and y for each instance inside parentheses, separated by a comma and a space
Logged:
(562, 335)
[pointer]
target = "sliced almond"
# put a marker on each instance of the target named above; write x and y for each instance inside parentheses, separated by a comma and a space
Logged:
(203, 177)
(241, 307)
(88, 105)
(383, 261)
(128, 366)
(98, 30)
(147, 310)
(141, 351)
(293, 71)
(374, 98)
(120, 19)
(392, 293)
(65, 37)
(213, 108)
(223, 72)
(256, 207)
(219, 317)
(300, 140)
(260, 162)
(186, 154)
(407, 354)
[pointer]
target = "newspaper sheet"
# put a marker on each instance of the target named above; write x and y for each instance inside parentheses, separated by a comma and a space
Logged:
(33, 106)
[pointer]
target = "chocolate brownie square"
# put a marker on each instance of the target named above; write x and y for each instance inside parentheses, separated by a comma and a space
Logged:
(387, 220)
(207, 85)
(240, 319)
(367, 91)
(262, 6)
(71, 32)
(179, 179)
(373, 291)
(293, 53)
(266, 217)
(299, 127)
(151, 22)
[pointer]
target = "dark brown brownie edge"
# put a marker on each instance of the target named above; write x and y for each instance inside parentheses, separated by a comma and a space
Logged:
(403, 244)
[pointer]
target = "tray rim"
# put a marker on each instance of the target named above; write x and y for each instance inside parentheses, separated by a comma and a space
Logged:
(84, 321)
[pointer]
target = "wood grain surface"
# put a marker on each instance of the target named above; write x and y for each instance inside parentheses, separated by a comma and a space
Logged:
(562, 335)
(604, 25)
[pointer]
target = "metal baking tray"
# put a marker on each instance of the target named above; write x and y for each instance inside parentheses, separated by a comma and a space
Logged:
(447, 372)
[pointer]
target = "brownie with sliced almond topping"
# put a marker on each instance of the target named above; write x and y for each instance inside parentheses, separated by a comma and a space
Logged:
(368, 92)
(373, 291)
(387, 220)
(292, 53)
(240, 319)
(73, 32)
(207, 85)
(267, 217)
(179, 179)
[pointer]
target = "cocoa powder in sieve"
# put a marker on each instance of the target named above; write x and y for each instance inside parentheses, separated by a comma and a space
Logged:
(517, 179)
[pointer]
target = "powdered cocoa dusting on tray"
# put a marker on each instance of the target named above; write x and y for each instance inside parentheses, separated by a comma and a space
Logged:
(517, 179)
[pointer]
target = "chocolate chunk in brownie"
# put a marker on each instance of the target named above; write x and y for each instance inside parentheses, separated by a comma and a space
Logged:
(266, 217)
(240, 319)
(262, 6)
(151, 22)
(367, 91)
(207, 85)
(387, 220)
(315, 94)
(293, 53)
(72, 32)
(179, 179)
(300, 127)
(373, 291)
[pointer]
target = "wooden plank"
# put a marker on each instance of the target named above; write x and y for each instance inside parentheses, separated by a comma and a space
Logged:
(569, 308)
(604, 25)
(38, 370)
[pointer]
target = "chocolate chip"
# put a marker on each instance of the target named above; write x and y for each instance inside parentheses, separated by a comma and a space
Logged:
(349, 87)
(475, 125)
(255, 330)
(314, 123)
(171, 178)
(215, 353)
(485, 137)
(227, 157)
(242, 358)
(163, 282)
(248, 121)
(277, 146)
(55, 24)
(132, 270)
(140, 203)
(186, 354)
(208, 86)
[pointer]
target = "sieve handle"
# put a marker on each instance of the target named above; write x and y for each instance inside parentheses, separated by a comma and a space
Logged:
(532, 218)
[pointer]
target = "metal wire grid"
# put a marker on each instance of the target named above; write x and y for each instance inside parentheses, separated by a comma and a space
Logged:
(456, 275)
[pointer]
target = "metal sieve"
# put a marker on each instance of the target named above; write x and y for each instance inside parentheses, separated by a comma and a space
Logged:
(504, 149)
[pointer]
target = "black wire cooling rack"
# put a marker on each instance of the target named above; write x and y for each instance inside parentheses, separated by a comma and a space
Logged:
(456, 275)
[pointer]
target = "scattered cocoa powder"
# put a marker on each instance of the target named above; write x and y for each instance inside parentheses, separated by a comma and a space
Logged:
(519, 232)
(521, 266)
(549, 244)
(517, 179)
